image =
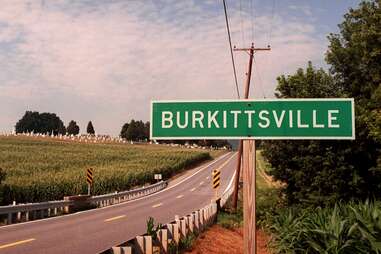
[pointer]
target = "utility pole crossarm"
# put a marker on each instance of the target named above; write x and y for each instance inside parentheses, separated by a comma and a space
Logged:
(252, 48)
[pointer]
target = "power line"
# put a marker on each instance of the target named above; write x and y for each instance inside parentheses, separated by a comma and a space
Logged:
(242, 23)
(259, 78)
(231, 48)
(271, 22)
(252, 19)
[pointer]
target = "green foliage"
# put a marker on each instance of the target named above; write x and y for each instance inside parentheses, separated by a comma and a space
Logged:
(230, 220)
(40, 123)
(135, 130)
(2, 178)
(123, 132)
(72, 128)
(151, 229)
(186, 243)
(322, 172)
(345, 228)
(90, 128)
(2, 175)
(309, 83)
(42, 170)
(173, 248)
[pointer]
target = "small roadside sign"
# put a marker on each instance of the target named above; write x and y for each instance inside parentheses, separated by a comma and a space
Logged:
(158, 176)
(89, 179)
(253, 119)
(216, 178)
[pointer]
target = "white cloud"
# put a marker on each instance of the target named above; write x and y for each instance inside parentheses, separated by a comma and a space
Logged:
(106, 62)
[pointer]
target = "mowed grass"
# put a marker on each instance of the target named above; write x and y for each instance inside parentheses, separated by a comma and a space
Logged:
(47, 169)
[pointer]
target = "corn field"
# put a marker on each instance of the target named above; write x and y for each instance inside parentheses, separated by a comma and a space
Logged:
(41, 170)
(343, 229)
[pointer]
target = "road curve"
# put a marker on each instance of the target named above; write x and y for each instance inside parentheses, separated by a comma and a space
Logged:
(97, 230)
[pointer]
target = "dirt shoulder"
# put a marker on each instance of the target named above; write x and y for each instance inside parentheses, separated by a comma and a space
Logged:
(219, 240)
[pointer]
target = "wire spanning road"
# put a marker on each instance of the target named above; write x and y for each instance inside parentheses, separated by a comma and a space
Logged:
(97, 230)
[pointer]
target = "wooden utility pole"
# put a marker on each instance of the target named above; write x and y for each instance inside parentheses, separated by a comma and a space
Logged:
(247, 149)
(246, 96)
(249, 200)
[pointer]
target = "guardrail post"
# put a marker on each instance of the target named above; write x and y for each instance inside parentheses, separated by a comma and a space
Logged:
(176, 233)
(27, 216)
(163, 239)
(197, 221)
(148, 244)
(191, 222)
(9, 220)
(140, 244)
(201, 217)
(121, 250)
(183, 228)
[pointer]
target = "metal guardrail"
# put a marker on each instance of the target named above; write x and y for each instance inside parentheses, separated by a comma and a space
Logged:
(118, 197)
(33, 211)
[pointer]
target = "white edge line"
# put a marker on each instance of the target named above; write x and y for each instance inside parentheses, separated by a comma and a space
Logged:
(227, 188)
(230, 183)
(116, 205)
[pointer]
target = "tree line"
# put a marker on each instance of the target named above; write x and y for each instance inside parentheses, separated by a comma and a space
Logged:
(139, 131)
(48, 123)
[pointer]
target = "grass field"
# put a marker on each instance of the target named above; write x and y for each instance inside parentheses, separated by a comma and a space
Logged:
(45, 169)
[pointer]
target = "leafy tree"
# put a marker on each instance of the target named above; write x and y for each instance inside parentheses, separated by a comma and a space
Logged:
(90, 128)
(135, 130)
(40, 123)
(321, 172)
(146, 130)
(72, 128)
(131, 133)
(123, 132)
(354, 55)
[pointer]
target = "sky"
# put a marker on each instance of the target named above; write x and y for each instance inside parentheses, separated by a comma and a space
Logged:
(105, 61)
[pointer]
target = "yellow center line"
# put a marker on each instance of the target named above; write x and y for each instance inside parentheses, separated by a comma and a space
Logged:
(180, 196)
(157, 205)
(115, 218)
(16, 243)
(193, 189)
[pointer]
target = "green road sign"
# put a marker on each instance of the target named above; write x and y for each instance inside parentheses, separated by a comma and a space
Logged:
(253, 119)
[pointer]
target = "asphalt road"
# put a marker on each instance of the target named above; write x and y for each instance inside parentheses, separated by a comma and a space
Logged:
(97, 230)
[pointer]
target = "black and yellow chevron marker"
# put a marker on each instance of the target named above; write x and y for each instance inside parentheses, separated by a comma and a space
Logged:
(89, 175)
(216, 178)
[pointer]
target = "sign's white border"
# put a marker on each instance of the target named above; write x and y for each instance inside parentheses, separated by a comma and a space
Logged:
(257, 137)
